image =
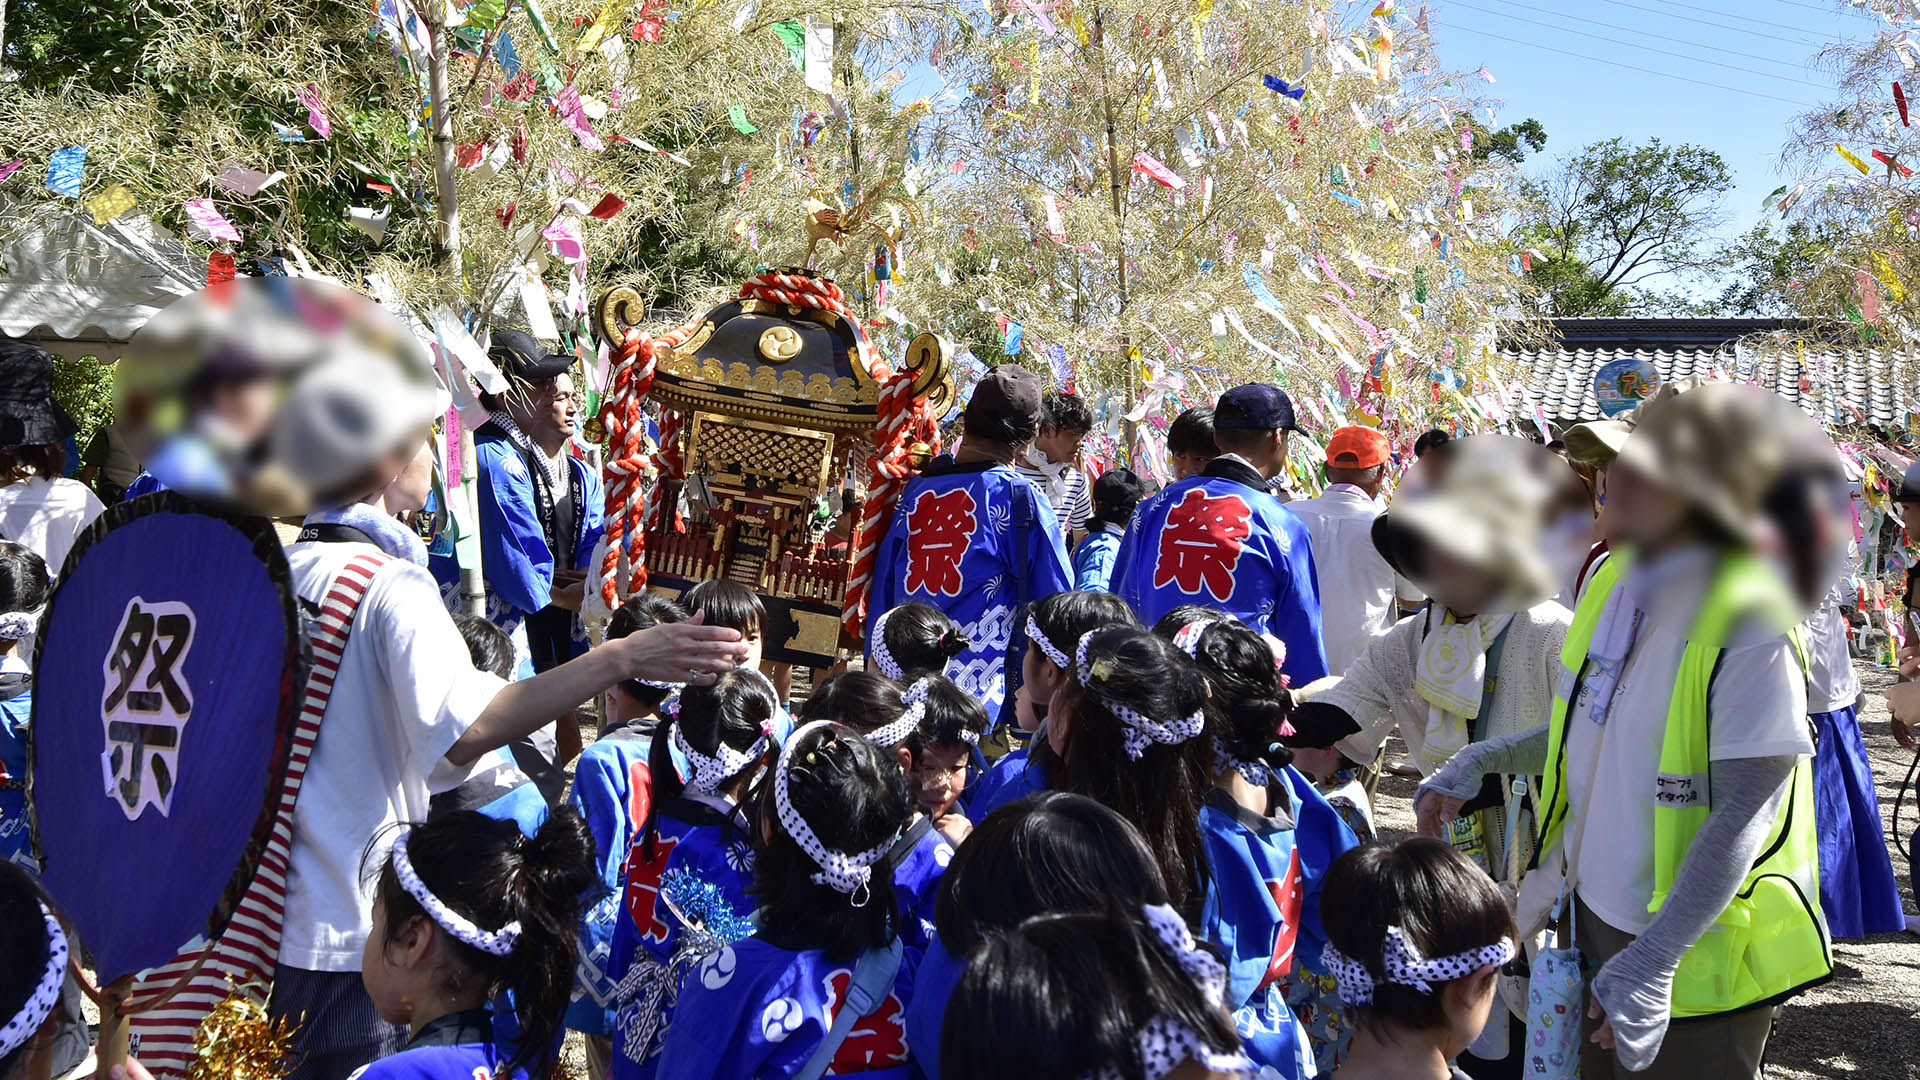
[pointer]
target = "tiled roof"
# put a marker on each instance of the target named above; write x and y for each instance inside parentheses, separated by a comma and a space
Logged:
(1849, 385)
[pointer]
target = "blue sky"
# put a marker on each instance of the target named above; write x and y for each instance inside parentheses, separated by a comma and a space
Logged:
(1754, 52)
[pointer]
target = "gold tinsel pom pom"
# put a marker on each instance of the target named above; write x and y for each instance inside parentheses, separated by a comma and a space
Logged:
(238, 1042)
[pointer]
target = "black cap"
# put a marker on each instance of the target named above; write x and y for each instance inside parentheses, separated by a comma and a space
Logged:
(1254, 407)
(522, 358)
(1005, 405)
(28, 414)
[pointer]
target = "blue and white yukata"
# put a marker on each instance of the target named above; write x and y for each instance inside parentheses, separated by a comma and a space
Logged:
(979, 543)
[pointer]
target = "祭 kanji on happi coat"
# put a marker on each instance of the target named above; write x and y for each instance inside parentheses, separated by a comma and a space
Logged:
(1147, 539)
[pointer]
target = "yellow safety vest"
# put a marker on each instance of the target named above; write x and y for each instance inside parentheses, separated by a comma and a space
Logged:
(1772, 940)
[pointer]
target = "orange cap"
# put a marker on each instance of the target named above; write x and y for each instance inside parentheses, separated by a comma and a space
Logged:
(1356, 448)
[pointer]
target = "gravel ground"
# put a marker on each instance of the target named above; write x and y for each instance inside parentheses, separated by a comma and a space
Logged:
(1864, 1023)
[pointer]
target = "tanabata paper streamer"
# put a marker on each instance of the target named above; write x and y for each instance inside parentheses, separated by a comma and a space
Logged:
(370, 221)
(316, 116)
(237, 178)
(1012, 347)
(609, 205)
(738, 114)
(1891, 163)
(110, 204)
(1485, 74)
(12, 167)
(204, 222)
(1056, 225)
(564, 238)
(64, 171)
(1900, 102)
(575, 117)
(221, 267)
(1144, 162)
(1851, 159)
(1280, 86)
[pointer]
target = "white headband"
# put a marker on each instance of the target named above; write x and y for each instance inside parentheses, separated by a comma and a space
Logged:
(1141, 729)
(882, 659)
(659, 684)
(19, 625)
(841, 872)
(1046, 647)
(39, 1004)
(1188, 639)
(712, 770)
(1406, 967)
(897, 732)
(495, 943)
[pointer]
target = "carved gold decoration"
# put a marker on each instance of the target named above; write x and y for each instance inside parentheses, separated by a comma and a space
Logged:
(813, 632)
(618, 310)
(930, 358)
(758, 460)
(838, 224)
(779, 344)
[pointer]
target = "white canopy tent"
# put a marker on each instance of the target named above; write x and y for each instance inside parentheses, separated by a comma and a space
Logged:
(79, 289)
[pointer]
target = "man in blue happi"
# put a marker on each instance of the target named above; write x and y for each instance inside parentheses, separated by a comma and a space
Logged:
(540, 515)
(1222, 540)
(972, 538)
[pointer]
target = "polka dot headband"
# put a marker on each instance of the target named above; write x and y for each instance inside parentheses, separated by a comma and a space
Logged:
(1164, 1044)
(712, 770)
(19, 625)
(883, 660)
(1404, 966)
(839, 871)
(1046, 647)
(1257, 773)
(897, 732)
(492, 942)
(39, 1004)
(1141, 729)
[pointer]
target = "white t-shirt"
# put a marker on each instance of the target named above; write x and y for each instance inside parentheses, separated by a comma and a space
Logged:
(45, 516)
(1064, 485)
(407, 690)
(1834, 684)
(1756, 707)
(1356, 585)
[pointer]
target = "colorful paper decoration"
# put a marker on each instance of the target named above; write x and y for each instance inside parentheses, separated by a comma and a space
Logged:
(110, 204)
(65, 169)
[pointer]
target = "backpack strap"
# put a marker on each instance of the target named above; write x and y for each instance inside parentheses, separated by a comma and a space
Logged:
(909, 840)
(873, 977)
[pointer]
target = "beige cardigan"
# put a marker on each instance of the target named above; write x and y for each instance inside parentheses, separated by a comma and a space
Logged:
(1378, 693)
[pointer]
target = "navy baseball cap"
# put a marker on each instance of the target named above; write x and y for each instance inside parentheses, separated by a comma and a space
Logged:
(1254, 407)
(522, 357)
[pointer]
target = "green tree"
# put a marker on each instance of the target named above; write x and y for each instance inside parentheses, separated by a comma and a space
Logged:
(1615, 217)
(1768, 267)
(1511, 143)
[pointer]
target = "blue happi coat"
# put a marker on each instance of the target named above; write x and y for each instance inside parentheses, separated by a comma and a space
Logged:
(757, 1009)
(916, 880)
(1223, 541)
(515, 558)
(701, 836)
(16, 707)
(611, 788)
(1012, 778)
(1262, 908)
(979, 543)
(456, 1047)
(940, 972)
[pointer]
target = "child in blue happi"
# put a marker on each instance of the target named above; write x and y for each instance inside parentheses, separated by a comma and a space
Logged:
(1115, 495)
(772, 1003)
(973, 538)
(1054, 853)
(695, 838)
(736, 607)
(463, 907)
(23, 592)
(496, 785)
(875, 708)
(612, 790)
(1223, 540)
(1054, 624)
(1270, 838)
(1110, 994)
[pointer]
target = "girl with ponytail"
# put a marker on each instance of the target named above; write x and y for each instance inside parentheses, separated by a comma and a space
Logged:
(692, 858)
(467, 909)
(1054, 624)
(914, 640)
(1270, 838)
(820, 984)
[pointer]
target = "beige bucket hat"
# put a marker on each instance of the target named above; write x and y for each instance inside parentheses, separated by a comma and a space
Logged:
(1489, 511)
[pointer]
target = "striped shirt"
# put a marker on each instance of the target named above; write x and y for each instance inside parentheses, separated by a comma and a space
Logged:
(1064, 485)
